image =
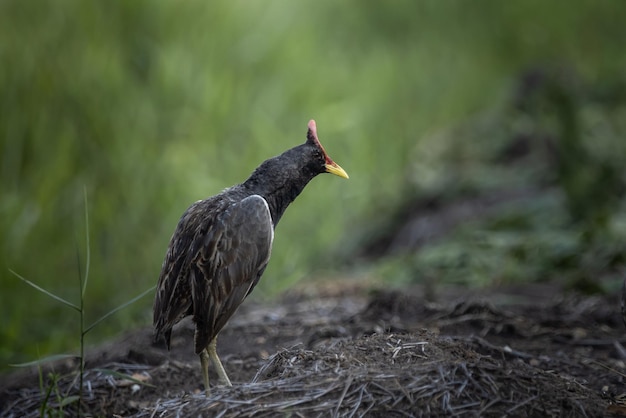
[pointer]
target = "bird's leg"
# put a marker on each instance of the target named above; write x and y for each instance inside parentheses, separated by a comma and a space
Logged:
(204, 363)
(216, 361)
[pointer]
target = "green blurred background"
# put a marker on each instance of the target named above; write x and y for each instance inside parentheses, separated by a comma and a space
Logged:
(152, 105)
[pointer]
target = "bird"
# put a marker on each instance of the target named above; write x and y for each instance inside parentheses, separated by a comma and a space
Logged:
(222, 245)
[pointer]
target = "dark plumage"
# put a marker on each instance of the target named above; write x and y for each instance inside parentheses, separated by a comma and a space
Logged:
(222, 245)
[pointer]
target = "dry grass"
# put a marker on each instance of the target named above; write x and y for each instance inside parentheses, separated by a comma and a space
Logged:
(370, 358)
(391, 375)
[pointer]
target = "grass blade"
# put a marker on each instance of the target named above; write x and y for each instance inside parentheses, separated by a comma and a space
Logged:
(44, 404)
(88, 260)
(68, 400)
(122, 306)
(43, 360)
(42, 290)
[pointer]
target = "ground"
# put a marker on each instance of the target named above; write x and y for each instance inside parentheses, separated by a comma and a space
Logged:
(343, 349)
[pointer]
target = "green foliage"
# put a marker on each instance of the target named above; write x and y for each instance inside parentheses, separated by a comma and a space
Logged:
(588, 162)
(57, 408)
(153, 105)
(53, 386)
(546, 169)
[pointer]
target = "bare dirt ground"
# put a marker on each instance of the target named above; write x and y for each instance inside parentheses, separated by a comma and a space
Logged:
(337, 349)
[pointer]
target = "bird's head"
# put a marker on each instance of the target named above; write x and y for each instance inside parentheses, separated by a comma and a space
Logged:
(294, 168)
(281, 179)
(319, 155)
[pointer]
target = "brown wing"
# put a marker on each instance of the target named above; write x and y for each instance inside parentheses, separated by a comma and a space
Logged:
(173, 296)
(216, 256)
(231, 259)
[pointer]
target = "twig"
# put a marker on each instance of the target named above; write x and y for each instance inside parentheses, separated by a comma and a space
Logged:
(505, 349)
(343, 394)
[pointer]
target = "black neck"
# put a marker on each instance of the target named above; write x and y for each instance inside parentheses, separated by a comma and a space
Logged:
(278, 192)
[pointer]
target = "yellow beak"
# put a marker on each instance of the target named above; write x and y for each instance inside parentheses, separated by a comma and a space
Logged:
(333, 168)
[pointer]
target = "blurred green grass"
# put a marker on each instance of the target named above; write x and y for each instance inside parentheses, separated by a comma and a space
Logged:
(153, 105)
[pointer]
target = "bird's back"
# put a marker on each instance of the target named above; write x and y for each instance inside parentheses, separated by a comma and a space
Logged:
(217, 254)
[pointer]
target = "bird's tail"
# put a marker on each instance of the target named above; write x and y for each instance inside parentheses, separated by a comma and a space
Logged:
(162, 335)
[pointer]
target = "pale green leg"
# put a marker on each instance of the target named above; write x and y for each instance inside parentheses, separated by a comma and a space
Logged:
(218, 364)
(211, 353)
(204, 363)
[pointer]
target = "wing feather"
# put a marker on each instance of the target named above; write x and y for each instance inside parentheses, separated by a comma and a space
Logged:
(229, 265)
(173, 296)
(216, 256)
